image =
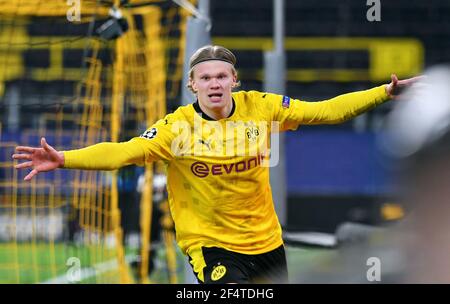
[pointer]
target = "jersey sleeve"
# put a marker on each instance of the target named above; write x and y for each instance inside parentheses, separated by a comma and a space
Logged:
(291, 113)
(156, 141)
(154, 144)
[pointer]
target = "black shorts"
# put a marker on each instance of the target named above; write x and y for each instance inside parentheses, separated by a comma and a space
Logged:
(223, 266)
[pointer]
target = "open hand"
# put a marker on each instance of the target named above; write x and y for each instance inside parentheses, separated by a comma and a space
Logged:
(396, 87)
(41, 159)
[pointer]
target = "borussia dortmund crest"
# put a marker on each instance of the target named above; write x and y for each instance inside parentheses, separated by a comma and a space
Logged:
(218, 272)
(252, 133)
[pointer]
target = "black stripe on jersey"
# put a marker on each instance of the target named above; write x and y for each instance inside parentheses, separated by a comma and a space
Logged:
(204, 115)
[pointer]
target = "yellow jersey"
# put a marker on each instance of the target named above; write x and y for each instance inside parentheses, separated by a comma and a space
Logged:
(217, 172)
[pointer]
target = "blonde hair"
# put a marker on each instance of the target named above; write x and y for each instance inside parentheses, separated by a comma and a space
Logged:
(211, 52)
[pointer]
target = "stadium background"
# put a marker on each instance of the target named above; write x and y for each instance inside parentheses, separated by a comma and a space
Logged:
(66, 81)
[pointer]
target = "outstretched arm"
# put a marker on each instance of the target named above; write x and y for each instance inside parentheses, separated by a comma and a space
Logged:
(41, 159)
(347, 106)
(102, 156)
(292, 113)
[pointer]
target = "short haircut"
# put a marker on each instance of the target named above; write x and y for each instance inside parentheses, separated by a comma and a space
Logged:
(211, 52)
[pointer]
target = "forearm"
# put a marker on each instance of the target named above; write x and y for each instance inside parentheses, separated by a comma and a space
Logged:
(104, 156)
(343, 107)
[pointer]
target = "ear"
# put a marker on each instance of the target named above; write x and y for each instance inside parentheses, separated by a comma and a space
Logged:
(234, 80)
(193, 85)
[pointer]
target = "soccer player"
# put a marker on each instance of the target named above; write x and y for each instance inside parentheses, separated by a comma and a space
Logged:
(218, 178)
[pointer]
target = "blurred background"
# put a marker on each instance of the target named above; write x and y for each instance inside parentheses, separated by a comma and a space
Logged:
(81, 72)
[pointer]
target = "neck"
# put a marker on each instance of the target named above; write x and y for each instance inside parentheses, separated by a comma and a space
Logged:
(219, 113)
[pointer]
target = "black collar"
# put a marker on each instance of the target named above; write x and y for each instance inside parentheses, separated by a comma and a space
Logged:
(204, 115)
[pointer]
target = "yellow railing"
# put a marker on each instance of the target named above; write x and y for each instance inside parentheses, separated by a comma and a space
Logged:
(403, 56)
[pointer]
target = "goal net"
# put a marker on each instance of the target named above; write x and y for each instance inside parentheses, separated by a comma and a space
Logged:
(78, 72)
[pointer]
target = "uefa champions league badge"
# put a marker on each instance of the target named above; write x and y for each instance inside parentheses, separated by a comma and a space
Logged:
(149, 134)
(286, 102)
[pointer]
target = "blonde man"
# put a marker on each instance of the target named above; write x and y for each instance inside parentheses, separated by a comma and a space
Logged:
(218, 181)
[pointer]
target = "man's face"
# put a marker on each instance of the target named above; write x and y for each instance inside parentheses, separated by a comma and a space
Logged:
(213, 81)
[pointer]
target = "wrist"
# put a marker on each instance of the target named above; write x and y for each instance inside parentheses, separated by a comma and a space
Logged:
(387, 89)
(61, 159)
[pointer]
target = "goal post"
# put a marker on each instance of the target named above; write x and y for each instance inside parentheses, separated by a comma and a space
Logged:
(106, 76)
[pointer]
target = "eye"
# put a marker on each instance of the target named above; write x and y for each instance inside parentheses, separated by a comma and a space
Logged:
(205, 78)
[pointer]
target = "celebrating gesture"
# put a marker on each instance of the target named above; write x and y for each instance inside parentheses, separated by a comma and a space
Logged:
(41, 159)
(222, 205)
(396, 87)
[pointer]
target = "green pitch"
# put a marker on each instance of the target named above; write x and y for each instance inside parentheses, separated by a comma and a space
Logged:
(43, 263)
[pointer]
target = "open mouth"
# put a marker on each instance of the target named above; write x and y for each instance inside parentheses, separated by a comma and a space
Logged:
(215, 97)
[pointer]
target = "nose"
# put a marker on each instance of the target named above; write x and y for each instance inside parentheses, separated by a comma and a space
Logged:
(215, 83)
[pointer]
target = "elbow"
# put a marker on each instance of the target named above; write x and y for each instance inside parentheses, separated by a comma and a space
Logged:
(344, 118)
(335, 120)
